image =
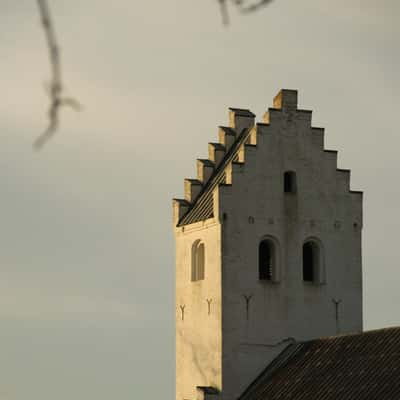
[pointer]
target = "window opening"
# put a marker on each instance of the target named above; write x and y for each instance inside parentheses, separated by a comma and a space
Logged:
(266, 260)
(310, 261)
(198, 261)
(289, 182)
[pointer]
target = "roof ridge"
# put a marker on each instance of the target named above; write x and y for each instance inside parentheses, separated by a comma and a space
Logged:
(351, 334)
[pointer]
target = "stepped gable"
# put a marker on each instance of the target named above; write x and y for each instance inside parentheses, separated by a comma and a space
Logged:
(362, 366)
(229, 154)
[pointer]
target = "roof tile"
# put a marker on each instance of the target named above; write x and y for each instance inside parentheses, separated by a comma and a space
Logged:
(364, 366)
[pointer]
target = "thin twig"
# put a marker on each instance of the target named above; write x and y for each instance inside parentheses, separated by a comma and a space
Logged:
(241, 5)
(254, 6)
(56, 89)
(224, 11)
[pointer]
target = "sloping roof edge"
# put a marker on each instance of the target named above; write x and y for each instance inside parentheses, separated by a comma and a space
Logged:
(356, 366)
(203, 198)
(283, 357)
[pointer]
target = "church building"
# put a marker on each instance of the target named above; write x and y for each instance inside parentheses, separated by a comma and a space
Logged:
(268, 260)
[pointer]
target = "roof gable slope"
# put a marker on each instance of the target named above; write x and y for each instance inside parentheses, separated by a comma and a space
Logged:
(363, 366)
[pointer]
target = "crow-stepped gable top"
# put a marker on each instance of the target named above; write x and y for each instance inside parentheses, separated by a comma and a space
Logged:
(229, 152)
(267, 249)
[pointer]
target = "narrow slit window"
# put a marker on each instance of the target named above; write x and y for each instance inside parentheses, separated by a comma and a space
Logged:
(266, 260)
(198, 261)
(289, 182)
(311, 261)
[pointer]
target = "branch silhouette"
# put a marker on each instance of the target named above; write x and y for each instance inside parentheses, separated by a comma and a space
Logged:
(224, 11)
(254, 6)
(243, 6)
(55, 89)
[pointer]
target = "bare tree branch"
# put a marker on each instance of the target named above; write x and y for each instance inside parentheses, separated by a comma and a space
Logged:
(224, 12)
(56, 89)
(243, 7)
(253, 6)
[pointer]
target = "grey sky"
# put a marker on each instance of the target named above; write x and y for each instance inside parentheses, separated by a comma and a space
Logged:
(87, 278)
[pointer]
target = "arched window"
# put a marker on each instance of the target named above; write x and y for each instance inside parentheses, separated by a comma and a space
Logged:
(267, 261)
(198, 261)
(289, 182)
(313, 270)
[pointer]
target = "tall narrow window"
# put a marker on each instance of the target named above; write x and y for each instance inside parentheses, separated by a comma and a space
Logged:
(312, 270)
(308, 262)
(289, 182)
(198, 261)
(266, 260)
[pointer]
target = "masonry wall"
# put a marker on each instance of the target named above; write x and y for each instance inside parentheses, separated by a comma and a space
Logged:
(259, 316)
(230, 325)
(198, 331)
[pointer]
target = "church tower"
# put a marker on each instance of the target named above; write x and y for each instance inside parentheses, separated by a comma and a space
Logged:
(268, 250)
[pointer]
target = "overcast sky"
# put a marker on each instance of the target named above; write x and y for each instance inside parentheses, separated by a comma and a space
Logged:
(87, 256)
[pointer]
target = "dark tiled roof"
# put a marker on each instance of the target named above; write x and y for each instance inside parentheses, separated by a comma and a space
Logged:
(363, 366)
(202, 207)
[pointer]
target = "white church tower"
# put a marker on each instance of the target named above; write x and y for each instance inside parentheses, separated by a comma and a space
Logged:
(268, 250)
